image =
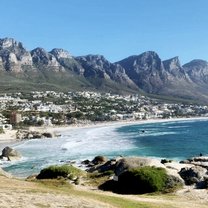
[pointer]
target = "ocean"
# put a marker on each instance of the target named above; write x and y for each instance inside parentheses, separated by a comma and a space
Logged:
(175, 140)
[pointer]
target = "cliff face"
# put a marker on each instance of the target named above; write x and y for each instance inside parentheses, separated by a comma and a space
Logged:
(146, 72)
(96, 66)
(13, 55)
(60, 69)
(197, 70)
(168, 77)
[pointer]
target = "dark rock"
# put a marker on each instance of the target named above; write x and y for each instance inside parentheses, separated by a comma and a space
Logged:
(163, 161)
(85, 162)
(185, 162)
(198, 161)
(99, 160)
(47, 135)
(193, 175)
(109, 165)
(10, 154)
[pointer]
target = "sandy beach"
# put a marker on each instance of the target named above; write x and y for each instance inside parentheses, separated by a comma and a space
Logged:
(10, 135)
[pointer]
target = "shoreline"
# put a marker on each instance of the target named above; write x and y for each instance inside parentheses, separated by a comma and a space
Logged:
(9, 137)
(60, 129)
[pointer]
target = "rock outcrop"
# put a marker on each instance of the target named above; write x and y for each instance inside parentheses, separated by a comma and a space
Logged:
(13, 55)
(97, 67)
(198, 161)
(195, 175)
(27, 134)
(190, 172)
(197, 70)
(127, 163)
(146, 71)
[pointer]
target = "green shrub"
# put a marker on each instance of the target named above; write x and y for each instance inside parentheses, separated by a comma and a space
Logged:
(143, 180)
(55, 171)
(138, 181)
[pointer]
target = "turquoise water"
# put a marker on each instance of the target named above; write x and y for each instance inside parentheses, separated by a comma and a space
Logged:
(174, 140)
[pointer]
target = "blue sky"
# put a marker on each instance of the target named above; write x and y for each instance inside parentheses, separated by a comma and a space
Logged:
(113, 28)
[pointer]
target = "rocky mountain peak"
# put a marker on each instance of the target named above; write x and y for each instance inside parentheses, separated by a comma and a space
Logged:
(39, 51)
(172, 63)
(197, 71)
(196, 64)
(147, 61)
(148, 54)
(94, 61)
(8, 43)
(13, 54)
(41, 57)
(93, 58)
(60, 53)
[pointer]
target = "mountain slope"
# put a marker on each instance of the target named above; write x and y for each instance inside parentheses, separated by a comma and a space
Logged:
(55, 70)
(168, 77)
(59, 70)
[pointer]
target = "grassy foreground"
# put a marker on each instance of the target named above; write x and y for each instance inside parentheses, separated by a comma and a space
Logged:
(59, 193)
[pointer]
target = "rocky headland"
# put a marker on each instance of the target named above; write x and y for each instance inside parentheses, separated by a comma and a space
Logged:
(191, 172)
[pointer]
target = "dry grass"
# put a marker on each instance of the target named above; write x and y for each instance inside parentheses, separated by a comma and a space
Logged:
(59, 193)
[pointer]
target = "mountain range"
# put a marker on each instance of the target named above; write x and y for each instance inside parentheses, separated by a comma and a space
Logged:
(146, 73)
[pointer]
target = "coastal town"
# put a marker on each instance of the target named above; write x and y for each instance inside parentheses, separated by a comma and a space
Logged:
(57, 108)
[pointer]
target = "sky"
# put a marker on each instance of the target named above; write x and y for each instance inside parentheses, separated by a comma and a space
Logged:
(113, 28)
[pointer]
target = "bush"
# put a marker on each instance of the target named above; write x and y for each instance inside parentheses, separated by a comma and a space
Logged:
(143, 180)
(55, 171)
(139, 181)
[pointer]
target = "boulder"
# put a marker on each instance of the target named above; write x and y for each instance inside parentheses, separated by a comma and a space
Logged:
(85, 162)
(194, 175)
(10, 154)
(198, 161)
(27, 134)
(47, 135)
(99, 160)
(127, 163)
(109, 165)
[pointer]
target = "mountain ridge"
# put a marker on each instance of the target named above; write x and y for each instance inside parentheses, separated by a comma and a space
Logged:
(145, 73)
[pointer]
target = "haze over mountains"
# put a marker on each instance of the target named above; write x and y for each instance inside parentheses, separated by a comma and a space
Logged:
(58, 70)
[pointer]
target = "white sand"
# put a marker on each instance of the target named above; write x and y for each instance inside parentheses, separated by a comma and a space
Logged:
(59, 129)
(10, 135)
